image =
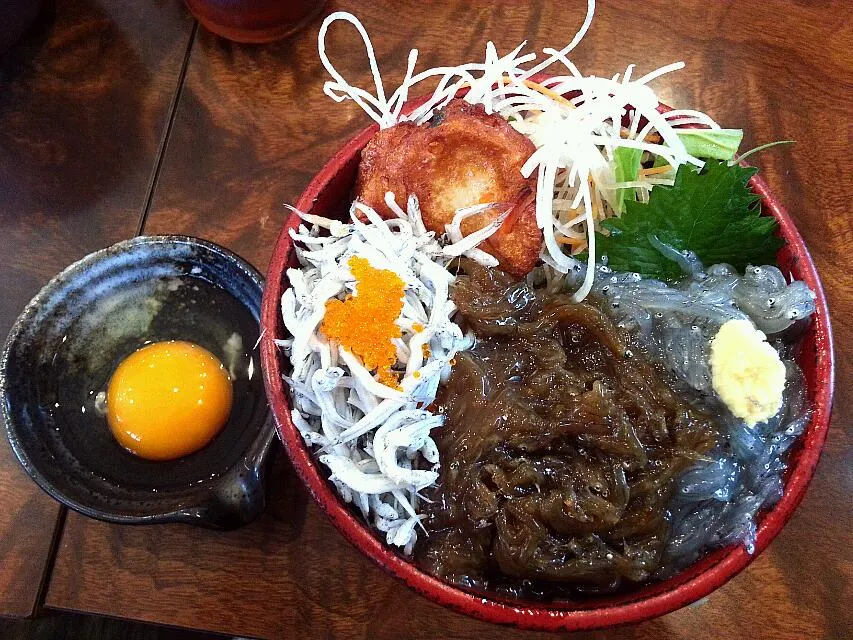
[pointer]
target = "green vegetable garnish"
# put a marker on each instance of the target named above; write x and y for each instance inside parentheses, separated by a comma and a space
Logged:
(769, 145)
(720, 144)
(712, 213)
(660, 161)
(626, 166)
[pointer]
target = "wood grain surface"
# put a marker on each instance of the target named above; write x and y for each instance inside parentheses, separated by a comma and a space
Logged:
(84, 100)
(252, 127)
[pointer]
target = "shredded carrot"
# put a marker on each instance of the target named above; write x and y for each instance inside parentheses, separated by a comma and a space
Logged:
(571, 241)
(509, 221)
(598, 211)
(365, 323)
(655, 170)
(653, 137)
(597, 208)
(545, 91)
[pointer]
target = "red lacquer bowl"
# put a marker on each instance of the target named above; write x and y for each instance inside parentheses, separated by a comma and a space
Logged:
(329, 195)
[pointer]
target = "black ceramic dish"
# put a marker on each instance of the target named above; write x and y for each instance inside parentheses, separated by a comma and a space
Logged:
(68, 341)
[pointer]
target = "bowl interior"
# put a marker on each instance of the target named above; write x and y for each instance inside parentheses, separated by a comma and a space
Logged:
(64, 348)
(329, 195)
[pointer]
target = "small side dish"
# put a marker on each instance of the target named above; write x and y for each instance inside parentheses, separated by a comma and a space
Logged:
(129, 387)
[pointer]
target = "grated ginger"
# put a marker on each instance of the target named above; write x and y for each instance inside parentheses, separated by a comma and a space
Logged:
(747, 372)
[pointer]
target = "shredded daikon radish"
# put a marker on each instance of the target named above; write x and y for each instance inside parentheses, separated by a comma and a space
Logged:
(576, 122)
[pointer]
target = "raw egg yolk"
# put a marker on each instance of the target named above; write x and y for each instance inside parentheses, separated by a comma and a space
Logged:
(168, 399)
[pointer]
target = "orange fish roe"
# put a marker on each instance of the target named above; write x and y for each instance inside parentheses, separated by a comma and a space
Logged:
(416, 374)
(427, 353)
(365, 323)
(417, 327)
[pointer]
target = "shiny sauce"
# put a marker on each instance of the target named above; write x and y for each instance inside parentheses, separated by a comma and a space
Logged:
(560, 448)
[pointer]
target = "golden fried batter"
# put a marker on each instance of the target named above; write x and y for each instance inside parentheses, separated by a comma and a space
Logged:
(463, 157)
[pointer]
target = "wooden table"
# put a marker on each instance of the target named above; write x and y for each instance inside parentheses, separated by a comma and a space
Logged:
(119, 117)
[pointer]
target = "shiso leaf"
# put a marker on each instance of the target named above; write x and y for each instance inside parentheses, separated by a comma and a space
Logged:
(712, 213)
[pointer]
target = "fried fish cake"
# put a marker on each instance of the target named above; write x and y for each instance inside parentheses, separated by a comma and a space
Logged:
(461, 158)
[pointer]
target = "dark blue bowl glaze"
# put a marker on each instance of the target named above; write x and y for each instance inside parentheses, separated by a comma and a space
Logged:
(68, 341)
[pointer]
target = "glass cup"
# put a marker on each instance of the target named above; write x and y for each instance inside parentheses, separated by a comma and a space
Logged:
(254, 21)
